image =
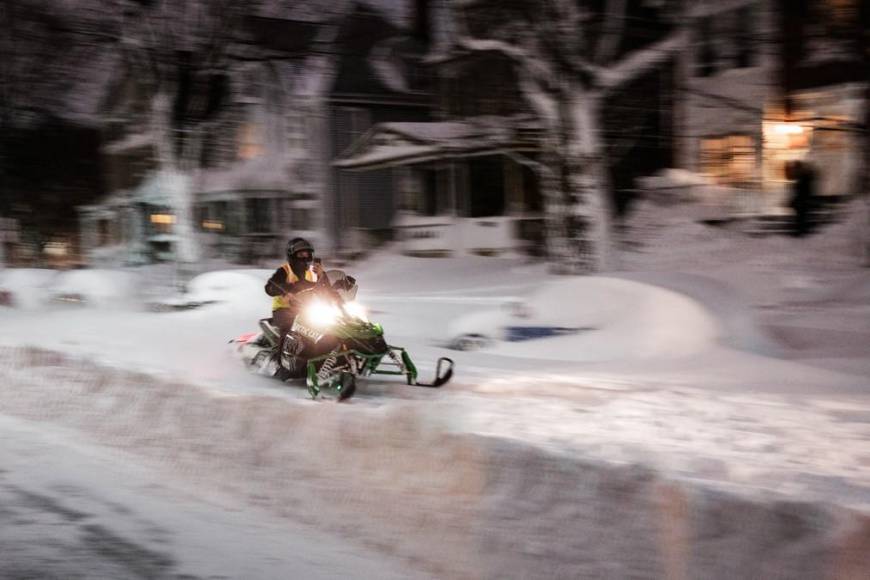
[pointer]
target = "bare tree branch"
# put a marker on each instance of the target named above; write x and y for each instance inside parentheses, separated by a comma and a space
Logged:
(543, 104)
(534, 64)
(544, 170)
(536, 67)
(644, 59)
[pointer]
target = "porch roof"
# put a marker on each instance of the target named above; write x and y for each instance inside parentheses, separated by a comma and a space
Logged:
(396, 144)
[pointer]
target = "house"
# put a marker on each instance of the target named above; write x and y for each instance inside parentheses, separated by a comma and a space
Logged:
(297, 92)
(262, 171)
(253, 177)
(767, 82)
(378, 78)
(467, 177)
(461, 184)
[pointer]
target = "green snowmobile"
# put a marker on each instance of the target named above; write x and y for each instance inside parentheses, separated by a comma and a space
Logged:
(332, 343)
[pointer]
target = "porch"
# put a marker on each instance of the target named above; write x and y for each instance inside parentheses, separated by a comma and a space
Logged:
(462, 186)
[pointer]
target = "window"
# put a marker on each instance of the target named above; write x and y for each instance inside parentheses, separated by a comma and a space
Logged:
(831, 134)
(841, 14)
(250, 140)
(201, 213)
(486, 183)
(161, 220)
(301, 218)
(729, 160)
(830, 30)
(259, 211)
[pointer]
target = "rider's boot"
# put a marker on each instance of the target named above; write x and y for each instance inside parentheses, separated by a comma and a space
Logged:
(290, 359)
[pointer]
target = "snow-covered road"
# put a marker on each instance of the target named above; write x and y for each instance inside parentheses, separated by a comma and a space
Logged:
(71, 509)
(528, 464)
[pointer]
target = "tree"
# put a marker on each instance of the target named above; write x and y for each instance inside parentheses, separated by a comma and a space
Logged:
(571, 56)
(862, 45)
(53, 71)
(177, 53)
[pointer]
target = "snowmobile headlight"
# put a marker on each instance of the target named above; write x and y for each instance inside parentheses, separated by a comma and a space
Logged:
(321, 314)
(356, 309)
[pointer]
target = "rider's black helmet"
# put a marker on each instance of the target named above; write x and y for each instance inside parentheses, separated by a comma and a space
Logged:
(298, 245)
(300, 254)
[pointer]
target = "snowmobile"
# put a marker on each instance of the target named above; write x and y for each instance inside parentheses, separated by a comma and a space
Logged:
(331, 344)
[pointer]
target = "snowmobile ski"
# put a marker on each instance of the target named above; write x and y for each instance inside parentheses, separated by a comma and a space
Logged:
(440, 377)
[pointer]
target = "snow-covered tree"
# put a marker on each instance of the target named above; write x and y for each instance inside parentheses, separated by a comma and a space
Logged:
(177, 53)
(571, 56)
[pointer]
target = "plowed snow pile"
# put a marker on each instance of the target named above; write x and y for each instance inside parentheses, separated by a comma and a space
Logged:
(486, 486)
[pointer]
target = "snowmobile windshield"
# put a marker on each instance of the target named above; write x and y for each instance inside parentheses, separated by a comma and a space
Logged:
(344, 285)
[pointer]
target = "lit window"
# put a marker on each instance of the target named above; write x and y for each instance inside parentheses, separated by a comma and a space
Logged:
(161, 223)
(729, 160)
(250, 141)
(162, 219)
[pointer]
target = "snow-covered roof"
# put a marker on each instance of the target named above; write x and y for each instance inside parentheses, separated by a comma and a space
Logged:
(266, 172)
(391, 155)
(400, 143)
(163, 188)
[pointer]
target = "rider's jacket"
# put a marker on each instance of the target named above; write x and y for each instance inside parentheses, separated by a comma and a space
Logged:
(285, 281)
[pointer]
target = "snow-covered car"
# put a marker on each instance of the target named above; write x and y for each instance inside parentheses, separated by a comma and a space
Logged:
(514, 322)
(24, 287)
(590, 319)
(95, 287)
(225, 286)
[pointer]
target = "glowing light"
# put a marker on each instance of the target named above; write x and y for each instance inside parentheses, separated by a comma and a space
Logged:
(788, 129)
(356, 309)
(162, 218)
(55, 249)
(213, 225)
(321, 314)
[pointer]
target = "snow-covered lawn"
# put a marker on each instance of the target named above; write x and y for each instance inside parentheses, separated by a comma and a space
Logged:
(686, 385)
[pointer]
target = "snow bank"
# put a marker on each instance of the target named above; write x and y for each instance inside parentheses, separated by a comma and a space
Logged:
(36, 288)
(394, 273)
(27, 286)
(465, 492)
(224, 287)
(615, 319)
(810, 294)
(100, 288)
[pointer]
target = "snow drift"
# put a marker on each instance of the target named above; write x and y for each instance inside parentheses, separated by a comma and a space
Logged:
(614, 319)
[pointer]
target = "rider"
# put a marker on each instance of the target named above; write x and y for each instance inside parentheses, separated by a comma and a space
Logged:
(299, 272)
